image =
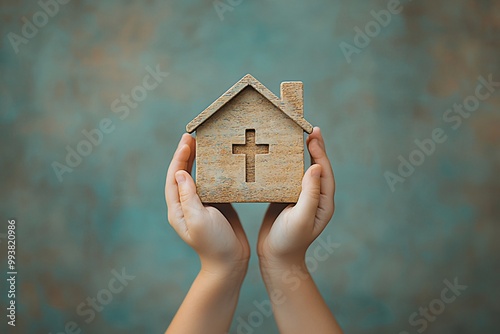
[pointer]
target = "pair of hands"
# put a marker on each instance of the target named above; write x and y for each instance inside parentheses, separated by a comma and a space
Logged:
(215, 231)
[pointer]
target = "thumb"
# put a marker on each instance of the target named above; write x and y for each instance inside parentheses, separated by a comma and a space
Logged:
(308, 202)
(190, 202)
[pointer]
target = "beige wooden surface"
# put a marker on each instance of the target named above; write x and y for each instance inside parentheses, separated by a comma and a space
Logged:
(249, 150)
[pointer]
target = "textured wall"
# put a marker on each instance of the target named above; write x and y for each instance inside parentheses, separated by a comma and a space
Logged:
(393, 249)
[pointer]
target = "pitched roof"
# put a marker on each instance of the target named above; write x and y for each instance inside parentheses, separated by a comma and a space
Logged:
(247, 80)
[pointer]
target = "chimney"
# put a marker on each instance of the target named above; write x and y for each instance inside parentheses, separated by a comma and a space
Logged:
(292, 96)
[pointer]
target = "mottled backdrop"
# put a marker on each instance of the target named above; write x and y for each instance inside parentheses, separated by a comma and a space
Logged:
(380, 84)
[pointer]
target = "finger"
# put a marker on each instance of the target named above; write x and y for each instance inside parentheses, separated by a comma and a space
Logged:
(185, 139)
(308, 202)
(316, 146)
(190, 202)
(316, 134)
(179, 160)
(192, 146)
(326, 207)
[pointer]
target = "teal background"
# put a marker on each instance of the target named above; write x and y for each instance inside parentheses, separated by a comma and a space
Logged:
(395, 248)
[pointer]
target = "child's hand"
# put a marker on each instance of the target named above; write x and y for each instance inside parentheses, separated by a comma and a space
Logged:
(285, 235)
(287, 231)
(214, 233)
(219, 240)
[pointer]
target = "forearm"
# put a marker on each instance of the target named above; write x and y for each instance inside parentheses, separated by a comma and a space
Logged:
(297, 304)
(209, 305)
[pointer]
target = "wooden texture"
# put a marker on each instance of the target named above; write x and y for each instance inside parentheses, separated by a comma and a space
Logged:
(288, 104)
(250, 150)
(250, 144)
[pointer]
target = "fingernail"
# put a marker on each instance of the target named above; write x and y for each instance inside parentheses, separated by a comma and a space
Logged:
(180, 178)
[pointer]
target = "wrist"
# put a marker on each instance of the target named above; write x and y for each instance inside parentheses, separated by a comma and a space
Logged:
(280, 268)
(228, 271)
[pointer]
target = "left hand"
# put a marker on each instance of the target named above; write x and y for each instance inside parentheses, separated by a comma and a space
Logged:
(214, 232)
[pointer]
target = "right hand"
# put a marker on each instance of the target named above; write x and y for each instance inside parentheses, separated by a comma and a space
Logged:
(287, 231)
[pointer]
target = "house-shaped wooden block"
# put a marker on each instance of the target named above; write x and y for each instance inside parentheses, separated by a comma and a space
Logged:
(250, 144)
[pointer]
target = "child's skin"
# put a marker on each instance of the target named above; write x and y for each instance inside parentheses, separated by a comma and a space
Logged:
(216, 234)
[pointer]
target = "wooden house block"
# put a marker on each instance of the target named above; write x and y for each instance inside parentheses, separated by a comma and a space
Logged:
(250, 144)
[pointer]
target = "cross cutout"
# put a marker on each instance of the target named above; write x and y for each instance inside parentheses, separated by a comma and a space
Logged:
(250, 149)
